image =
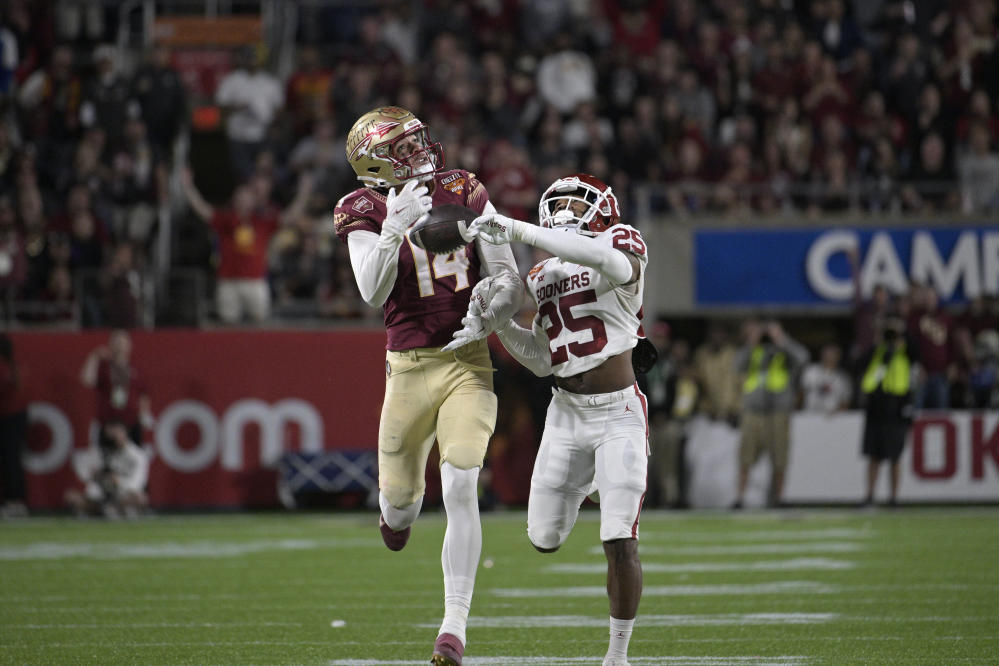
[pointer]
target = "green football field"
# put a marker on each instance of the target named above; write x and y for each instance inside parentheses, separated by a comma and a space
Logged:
(916, 586)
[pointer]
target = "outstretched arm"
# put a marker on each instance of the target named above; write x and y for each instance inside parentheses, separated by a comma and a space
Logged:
(202, 208)
(88, 373)
(617, 266)
(530, 351)
(297, 206)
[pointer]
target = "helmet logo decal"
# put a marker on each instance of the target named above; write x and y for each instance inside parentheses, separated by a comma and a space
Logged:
(362, 205)
(376, 132)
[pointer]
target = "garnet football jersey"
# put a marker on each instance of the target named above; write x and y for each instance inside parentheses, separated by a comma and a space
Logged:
(586, 317)
(431, 291)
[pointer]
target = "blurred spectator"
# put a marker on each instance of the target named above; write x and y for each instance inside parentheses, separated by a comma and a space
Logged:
(106, 97)
(885, 384)
(929, 185)
(906, 73)
(113, 474)
(308, 92)
(120, 391)
(587, 130)
(321, 154)
(868, 313)
(135, 184)
(827, 95)
(512, 187)
(13, 428)
(839, 33)
(769, 362)
(825, 386)
(714, 363)
(157, 88)
(301, 273)
(983, 375)
(121, 289)
(50, 100)
(979, 172)
(659, 385)
(880, 178)
(244, 230)
(251, 98)
(678, 392)
(566, 79)
(930, 329)
(13, 260)
(978, 109)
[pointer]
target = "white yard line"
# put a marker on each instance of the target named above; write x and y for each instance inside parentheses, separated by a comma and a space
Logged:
(725, 619)
(169, 549)
(555, 661)
(785, 587)
(761, 535)
(156, 625)
(748, 549)
(796, 564)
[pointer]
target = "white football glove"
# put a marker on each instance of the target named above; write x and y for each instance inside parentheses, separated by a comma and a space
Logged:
(497, 229)
(403, 209)
(475, 326)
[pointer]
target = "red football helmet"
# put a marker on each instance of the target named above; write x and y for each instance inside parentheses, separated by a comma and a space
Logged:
(581, 202)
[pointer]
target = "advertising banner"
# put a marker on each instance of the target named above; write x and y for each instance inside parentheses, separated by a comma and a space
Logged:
(227, 405)
(753, 267)
(950, 456)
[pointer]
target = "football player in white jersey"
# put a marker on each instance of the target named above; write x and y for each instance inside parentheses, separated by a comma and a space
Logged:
(589, 298)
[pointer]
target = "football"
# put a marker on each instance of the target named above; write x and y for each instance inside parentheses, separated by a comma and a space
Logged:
(444, 229)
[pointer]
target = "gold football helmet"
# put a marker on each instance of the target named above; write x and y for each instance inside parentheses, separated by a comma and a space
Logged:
(389, 145)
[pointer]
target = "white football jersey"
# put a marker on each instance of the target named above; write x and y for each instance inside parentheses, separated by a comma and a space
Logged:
(585, 317)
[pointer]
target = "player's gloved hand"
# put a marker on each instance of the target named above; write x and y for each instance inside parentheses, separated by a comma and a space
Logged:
(499, 229)
(473, 328)
(476, 324)
(403, 209)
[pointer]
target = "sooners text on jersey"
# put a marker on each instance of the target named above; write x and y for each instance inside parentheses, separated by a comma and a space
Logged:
(586, 317)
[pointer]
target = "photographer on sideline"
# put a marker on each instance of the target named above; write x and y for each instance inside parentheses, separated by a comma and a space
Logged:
(113, 474)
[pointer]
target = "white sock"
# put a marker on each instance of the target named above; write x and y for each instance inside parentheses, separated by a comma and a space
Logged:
(462, 545)
(620, 634)
(399, 519)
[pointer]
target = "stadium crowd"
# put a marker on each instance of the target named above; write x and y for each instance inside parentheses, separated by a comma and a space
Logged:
(730, 109)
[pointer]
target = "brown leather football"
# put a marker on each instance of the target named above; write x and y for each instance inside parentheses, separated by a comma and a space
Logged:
(441, 232)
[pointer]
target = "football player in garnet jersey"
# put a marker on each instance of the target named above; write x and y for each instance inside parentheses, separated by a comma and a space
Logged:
(429, 393)
(589, 298)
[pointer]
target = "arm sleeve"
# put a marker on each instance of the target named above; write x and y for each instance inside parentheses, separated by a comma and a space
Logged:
(584, 250)
(498, 260)
(525, 346)
(797, 352)
(375, 265)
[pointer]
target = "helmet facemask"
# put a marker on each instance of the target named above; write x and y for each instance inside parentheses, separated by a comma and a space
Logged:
(579, 203)
(373, 147)
(421, 164)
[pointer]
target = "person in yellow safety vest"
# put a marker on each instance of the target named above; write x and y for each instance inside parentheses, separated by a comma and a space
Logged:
(887, 392)
(769, 364)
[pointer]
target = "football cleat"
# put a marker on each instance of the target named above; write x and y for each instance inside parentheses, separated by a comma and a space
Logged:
(395, 540)
(616, 662)
(448, 651)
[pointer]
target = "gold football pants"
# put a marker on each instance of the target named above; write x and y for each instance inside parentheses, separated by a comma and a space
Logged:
(428, 394)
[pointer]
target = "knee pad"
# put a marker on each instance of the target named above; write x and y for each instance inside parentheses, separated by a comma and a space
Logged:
(544, 538)
(399, 518)
(459, 485)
